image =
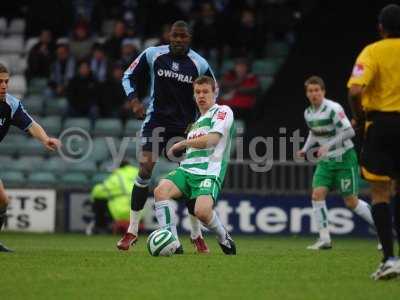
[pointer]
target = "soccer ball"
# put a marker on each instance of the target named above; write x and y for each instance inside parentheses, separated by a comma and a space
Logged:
(162, 243)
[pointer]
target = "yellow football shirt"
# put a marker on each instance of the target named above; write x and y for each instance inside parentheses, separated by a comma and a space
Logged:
(378, 69)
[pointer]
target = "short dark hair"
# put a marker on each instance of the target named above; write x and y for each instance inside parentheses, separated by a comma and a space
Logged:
(389, 18)
(205, 80)
(83, 61)
(3, 68)
(63, 44)
(182, 24)
(242, 60)
(315, 80)
(98, 46)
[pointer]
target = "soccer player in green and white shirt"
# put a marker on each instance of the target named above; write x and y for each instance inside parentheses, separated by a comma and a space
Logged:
(337, 166)
(201, 174)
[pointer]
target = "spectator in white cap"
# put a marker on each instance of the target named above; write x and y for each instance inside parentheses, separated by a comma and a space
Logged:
(129, 52)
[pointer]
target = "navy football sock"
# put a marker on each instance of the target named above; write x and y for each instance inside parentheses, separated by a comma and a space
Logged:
(139, 194)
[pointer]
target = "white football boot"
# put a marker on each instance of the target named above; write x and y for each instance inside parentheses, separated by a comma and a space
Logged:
(387, 270)
(320, 245)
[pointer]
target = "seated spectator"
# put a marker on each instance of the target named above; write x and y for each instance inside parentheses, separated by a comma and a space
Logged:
(62, 70)
(81, 43)
(239, 90)
(113, 45)
(249, 39)
(99, 63)
(41, 56)
(132, 33)
(112, 98)
(82, 93)
(164, 36)
(206, 32)
(129, 52)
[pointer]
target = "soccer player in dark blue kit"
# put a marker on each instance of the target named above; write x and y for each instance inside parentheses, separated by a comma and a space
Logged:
(13, 113)
(169, 71)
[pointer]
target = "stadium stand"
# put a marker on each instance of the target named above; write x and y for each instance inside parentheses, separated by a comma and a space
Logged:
(42, 179)
(3, 25)
(18, 36)
(108, 127)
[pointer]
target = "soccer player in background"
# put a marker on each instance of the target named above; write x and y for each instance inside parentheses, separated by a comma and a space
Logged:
(374, 96)
(13, 113)
(337, 166)
(169, 71)
(201, 174)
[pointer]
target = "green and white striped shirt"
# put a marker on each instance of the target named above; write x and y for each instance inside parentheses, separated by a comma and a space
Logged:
(213, 161)
(325, 123)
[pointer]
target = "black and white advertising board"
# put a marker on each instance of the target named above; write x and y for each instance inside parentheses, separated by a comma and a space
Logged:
(31, 210)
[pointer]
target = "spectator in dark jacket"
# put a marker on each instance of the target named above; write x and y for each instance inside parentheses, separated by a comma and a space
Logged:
(81, 43)
(249, 38)
(82, 93)
(41, 56)
(206, 32)
(99, 63)
(113, 45)
(164, 35)
(62, 70)
(129, 52)
(112, 98)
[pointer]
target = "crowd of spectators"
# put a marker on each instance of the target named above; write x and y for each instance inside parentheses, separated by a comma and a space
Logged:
(86, 64)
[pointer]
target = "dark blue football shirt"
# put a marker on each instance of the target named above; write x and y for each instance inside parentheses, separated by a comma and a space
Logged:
(13, 113)
(171, 86)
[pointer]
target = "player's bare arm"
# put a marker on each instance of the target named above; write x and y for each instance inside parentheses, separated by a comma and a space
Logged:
(38, 132)
(354, 97)
(202, 142)
(346, 134)
(307, 146)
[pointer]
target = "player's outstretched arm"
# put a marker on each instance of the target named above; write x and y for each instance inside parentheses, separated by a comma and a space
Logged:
(308, 144)
(205, 141)
(343, 135)
(38, 133)
(202, 142)
(354, 98)
(138, 68)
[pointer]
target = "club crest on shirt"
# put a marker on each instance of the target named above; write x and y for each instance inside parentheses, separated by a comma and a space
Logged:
(358, 70)
(341, 115)
(221, 115)
(134, 64)
(175, 66)
(2, 121)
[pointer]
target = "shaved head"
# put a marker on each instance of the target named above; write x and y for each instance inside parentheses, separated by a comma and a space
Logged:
(180, 38)
(182, 24)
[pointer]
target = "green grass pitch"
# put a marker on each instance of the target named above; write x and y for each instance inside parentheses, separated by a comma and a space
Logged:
(78, 267)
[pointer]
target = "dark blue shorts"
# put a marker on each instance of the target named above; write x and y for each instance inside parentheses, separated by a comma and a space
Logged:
(159, 139)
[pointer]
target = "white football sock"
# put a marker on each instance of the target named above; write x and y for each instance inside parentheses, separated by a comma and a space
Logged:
(321, 216)
(364, 211)
(134, 221)
(195, 227)
(165, 216)
(216, 226)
